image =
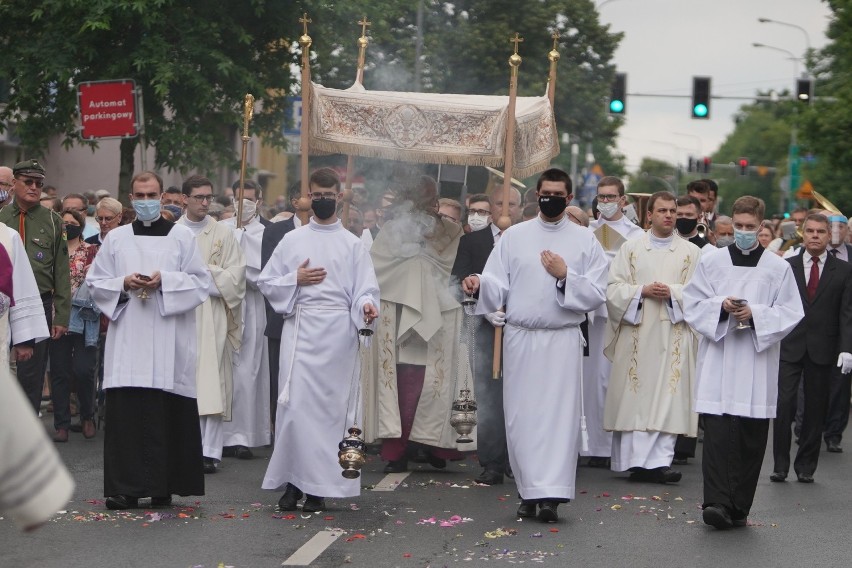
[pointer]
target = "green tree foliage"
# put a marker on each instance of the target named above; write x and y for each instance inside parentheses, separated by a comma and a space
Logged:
(828, 121)
(762, 135)
(654, 175)
(194, 61)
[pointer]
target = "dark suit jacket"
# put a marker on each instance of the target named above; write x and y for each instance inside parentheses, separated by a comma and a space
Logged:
(96, 240)
(272, 235)
(473, 252)
(265, 222)
(826, 329)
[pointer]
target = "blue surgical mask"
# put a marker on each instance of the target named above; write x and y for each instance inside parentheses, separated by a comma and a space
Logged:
(146, 209)
(90, 210)
(745, 239)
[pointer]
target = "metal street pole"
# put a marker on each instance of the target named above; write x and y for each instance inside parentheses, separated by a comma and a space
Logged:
(789, 25)
(792, 58)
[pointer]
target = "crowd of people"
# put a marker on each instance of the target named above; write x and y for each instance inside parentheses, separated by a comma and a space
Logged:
(617, 335)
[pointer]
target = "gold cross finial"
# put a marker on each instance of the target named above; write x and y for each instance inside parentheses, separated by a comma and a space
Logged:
(364, 25)
(305, 20)
(516, 40)
(555, 36)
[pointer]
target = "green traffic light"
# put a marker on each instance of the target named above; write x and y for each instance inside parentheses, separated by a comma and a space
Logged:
(699, 110)
(616, 106)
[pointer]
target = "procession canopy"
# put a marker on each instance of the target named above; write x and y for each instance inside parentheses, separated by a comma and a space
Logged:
(432, 128)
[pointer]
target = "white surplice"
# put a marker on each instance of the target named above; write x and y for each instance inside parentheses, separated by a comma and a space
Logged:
(151, 342)
(737, 370)
(543, 347)
(250, 423)
(652, 352)
(26, 319)
(596, 367)
(319, 361)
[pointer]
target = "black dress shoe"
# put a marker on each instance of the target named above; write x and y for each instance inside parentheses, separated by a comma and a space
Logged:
(291, 496)
(668, 475)
(161, 501)
(489, 477)
(717, 516)
(833, 447)
(313, 504)
(601, 462)
(680, 461)
(397, 466)
(436, 462)
(805, 478)
(547, 512)
(209, 465)
(229, 452)
(741, 522)
(243, 453)
(778, 476)
(121, 502)
(526, 509)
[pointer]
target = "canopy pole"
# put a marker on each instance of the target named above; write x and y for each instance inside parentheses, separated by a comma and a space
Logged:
(303, 207)
(348, 196)
(248, 110)
(553, 56)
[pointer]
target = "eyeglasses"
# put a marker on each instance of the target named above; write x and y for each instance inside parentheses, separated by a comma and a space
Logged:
(201, 198)
(106, 219)
(30, 182)
(6, 185)
(604, 198)
(445, 216)
(479, 212)
(324, 195)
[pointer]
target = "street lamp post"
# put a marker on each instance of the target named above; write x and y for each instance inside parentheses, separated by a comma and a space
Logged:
(792, 57)
(789, 25)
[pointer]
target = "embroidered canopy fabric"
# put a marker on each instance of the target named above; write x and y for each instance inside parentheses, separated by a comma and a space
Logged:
(432, 128)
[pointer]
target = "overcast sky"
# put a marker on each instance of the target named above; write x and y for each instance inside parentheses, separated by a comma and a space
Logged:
(666, 42)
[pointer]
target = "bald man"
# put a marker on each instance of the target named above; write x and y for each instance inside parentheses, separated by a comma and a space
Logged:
(577, 215)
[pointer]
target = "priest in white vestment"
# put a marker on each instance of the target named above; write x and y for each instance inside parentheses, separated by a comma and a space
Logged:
(737, 368)
(548, 272)
(652, 349)
(250, 425)
(218, 321)
(411, 389)
(321, 279)
(612, 229)
(148, 278)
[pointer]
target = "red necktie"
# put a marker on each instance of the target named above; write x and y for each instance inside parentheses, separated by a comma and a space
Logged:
(813, 281)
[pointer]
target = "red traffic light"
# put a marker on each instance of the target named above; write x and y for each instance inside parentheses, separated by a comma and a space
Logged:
(743, 166)
(707, 163)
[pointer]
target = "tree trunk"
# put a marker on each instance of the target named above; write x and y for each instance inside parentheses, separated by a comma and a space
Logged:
(125, 171)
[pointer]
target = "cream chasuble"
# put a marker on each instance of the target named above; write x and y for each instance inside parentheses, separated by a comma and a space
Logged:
(420, 319)
(218, 320)
(651, 348)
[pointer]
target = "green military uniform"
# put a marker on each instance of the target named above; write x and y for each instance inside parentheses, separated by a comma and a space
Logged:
(47, 251)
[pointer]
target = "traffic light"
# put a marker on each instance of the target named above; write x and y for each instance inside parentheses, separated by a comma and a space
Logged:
(618, 94)
(701, 97)
(743, 163)
(803, 90)
(706, 165)
(690, 165)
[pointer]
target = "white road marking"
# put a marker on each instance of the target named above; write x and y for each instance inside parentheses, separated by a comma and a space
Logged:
(391, 481)
(312, 549)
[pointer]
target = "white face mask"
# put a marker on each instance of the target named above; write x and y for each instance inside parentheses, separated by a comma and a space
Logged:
(249, 210)
(608, 210)
(477, 222)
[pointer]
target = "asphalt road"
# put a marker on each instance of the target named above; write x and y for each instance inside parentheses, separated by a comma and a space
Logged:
(611, 523)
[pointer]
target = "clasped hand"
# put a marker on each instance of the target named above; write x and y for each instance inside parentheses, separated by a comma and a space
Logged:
(138, 281)
(740, 312)
(656, 290)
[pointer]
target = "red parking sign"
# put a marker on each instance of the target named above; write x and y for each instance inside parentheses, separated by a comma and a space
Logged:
(108, 109)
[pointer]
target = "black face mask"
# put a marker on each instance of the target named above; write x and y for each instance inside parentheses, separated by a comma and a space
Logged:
(552, 206)
(73, 231)
(685, 226)
(324, 207)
